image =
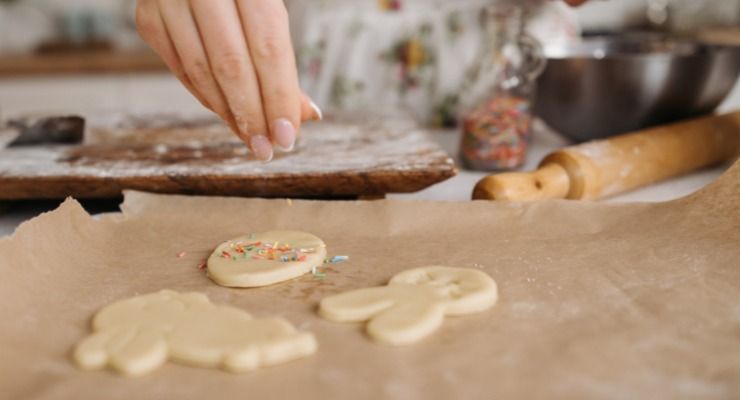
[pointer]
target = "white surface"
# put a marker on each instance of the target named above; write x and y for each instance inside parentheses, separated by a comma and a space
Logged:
(162, 92)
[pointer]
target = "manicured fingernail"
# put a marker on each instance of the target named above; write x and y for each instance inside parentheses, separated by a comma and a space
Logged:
(318, 115)
(261, 147)
(283, 133)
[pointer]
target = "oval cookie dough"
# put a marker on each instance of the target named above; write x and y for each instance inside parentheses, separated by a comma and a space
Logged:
(414, 303)
(265, 258)
(137, 335)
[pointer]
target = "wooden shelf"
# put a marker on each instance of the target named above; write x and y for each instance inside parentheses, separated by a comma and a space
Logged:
(87, 62)
(723, 36)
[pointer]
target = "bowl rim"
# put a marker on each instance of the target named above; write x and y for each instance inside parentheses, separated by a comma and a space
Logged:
(634, 46)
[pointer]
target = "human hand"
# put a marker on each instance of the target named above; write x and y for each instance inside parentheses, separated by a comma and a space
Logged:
(237, 59)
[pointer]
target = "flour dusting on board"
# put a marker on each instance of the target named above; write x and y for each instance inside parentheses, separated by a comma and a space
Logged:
(325, 147)
(119, 147)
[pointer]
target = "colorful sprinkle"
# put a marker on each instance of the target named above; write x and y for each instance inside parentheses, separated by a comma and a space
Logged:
(336, 259)
(181, 254)
(495, 134)
(316, 273)
(271, 251)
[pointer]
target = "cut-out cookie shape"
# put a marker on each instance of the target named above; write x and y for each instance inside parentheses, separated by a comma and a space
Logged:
(414, 303)
(265, 258)
(137, 335)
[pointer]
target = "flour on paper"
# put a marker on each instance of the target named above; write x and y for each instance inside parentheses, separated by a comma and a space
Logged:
(137, 335)
(414, 303)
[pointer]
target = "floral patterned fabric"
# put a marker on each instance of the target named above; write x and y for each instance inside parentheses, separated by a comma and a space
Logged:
(386, 56)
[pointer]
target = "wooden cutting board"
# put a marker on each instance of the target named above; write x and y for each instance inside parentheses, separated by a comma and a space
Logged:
(169, 154)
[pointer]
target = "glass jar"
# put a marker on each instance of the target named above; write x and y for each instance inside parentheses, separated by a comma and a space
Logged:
(496, 112)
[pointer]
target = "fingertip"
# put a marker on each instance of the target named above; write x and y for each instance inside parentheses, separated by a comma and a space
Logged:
(284, 134)
(310, 111)
(261, 147)
(318, 114)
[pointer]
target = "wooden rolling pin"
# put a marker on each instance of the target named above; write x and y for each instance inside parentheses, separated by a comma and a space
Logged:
(606, 167)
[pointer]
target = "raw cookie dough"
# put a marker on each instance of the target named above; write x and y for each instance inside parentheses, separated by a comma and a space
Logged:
(137, 335)
(414, 302)
(265, 258)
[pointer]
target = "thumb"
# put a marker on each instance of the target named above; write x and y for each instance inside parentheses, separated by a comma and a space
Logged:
(310, 111)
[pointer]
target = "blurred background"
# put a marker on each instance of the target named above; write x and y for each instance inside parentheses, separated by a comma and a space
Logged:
(591, 72)
(72, 55)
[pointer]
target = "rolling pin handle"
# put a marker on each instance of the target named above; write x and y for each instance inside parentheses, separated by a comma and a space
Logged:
(551, 181)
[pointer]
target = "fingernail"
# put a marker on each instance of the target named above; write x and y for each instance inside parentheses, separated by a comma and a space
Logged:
(261, 147)
(283, 133)
(318, 115)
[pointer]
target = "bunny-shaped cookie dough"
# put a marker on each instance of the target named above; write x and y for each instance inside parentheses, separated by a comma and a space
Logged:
(414, 303)
(137, 335)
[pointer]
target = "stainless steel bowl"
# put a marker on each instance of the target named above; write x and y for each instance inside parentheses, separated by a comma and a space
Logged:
(610, 85)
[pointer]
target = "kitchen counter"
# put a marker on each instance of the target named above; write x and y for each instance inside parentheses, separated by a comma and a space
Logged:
(457, 188)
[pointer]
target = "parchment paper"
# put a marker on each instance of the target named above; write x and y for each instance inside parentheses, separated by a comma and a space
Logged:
(596, 300)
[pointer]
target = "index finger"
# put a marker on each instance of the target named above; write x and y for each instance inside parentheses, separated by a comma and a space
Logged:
(223, 37)
(267, 32)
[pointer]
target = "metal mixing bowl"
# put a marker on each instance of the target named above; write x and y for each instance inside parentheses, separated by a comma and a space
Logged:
(610, 85)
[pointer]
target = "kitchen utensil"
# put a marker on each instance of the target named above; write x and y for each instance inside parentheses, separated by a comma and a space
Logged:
(607, 167)
(46, 130)
(610, 85)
